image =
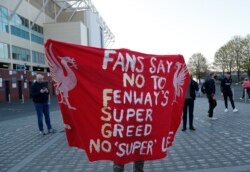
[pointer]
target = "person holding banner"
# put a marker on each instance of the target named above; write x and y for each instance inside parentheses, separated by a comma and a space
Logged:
(189, 104)
(134, 101)
(40, 93)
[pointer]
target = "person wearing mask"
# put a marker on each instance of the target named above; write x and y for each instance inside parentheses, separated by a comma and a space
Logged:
(226, 92)
(189, 104)
(40, 94)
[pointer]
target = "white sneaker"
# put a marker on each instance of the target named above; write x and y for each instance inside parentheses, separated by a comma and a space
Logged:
(213, 118)
(226, 110)
(241, 98)
(235, 110)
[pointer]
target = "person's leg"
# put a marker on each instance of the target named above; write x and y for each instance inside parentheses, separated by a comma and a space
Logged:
(39, 112)
(230, 95)
(138, 166)
(243, 94)
(210, 111)
(118, 167)
(191, 113)
(46, 115)
(248, 92)
(214, 104)
(225, 99)
(184, 117)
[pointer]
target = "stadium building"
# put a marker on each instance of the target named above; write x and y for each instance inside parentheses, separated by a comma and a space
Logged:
(25, 25)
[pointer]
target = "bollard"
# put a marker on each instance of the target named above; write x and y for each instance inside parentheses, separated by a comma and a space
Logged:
(9, 98)
(245, 95)
(22, 99)
(49, 100)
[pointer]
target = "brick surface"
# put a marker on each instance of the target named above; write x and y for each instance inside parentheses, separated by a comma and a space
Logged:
(222, 145)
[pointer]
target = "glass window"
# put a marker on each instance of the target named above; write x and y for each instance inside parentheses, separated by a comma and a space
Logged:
(37, 28)
(15, 56)
(1, 50)
(20, 53)
(1, 27)
(4, 51)
(38, 57)
(37, 39)
(3, 19)
(20, 27)
(19, 32)
(26, 23)
(4, 12)
(16, 20)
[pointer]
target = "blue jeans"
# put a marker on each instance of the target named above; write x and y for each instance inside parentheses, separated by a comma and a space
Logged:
(43, 109)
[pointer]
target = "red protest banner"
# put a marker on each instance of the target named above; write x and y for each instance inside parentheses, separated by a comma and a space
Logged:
(118, 104)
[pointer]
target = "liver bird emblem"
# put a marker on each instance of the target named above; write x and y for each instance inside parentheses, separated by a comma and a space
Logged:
(179, 78)
(62, 75)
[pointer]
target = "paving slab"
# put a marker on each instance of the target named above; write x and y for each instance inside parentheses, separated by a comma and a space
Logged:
(221, 145)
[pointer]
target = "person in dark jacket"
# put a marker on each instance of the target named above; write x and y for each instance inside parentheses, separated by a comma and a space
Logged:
(210, 91)
(40, 95)
(226, 91)
(189, 104)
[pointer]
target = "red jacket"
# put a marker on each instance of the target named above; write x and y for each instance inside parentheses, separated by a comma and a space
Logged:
(246, 84)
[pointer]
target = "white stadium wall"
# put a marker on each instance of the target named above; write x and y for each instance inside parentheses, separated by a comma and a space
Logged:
(72, 32)
(93, 25)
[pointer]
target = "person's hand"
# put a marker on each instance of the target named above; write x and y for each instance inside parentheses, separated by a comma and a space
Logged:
(44, 90)
(214, 98)
(222, 94)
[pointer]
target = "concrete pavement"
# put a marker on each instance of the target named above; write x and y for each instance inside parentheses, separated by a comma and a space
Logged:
(222, 145)
(19, 109)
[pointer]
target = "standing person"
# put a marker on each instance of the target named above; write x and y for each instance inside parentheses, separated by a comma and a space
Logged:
(210, 91)
(246, 86)
(226, 91)
(189, 104)
(40, 93)
(138, 167)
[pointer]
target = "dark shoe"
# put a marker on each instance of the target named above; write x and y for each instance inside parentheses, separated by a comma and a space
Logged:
(52, 131)
(192, 128)
(184, 129)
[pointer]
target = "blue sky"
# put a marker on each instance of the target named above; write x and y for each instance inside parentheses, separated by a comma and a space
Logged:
(175, 26)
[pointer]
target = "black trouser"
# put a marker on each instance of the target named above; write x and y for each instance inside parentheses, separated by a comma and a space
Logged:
(138, 167)
(230, 95)
(248, 92)
(212, 104)
(243, 93)
(188, 105)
